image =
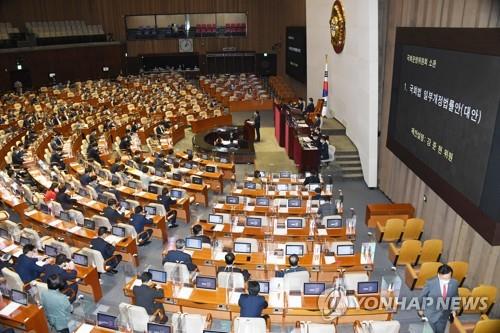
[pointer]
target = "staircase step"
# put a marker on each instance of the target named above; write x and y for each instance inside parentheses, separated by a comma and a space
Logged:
(333, 131)
(346, 153)
(353, 176)
(349, 163)
(346, 158)
(351, 170)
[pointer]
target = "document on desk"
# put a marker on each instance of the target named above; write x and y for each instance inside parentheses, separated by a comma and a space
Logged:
(91, 202)
(294, 301)
(112, 239)
(9, 248)
(219, 256)
(199, 173)
(31, 212)
(137, 283)
(249, 208)
(9, 309)
(17, 253)
(280, 231)
(275, 260)
(283, 210)
(85, 328)
(75, 229)
(329, 260)
(189, 252)
(219, 227)
(238, 229)
(219, 206)
(185, 293)
(140, 193)
(238, 191)
(54, 223)
(322, 232)
(234, 297)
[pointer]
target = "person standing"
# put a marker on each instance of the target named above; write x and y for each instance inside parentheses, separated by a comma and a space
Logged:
(256, 120)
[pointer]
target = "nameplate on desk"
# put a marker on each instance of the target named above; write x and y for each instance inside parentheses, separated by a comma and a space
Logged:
(238, 191)
(75, 229)
(9, 248)
(282, 193)
(219, 256)
(9, 309)
(31, 212)
(219, 206)
(249, 208)
(329, 260)
(85, 328)
(280, 231)
(322, 232)
(219, 227)
(140, 193)
(55, 223)
(185, 293)
(199, 173)
(238, 229)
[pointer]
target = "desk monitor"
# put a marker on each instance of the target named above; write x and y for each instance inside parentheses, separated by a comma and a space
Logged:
(176, 194)
(115, 179)
(224, 160)
(118, 231)
(210, 168)
(294, 249)
(124, 205)
(132, 184)
(159, 173)
(262, 202)
(83, 192)
(89, 224)
(206, 282)
(264, 287)
(197, 180)
(285, 174)
(215, 218)
(282, 187)
(102, 198)
(193, 243)
(189, 152)
(19, 297)
(65, 216)
(80, 259)
(254, 222)
(176, 176)
(45, 208)
(24, 240)
(102, 174)
(51, 251)
(159, 328)
(188, 165)
(232, 200)
(345, 250)
(313, 289)
(150, 210)
(294, 203)
(158, 276)
(170, 160)
(250, 185)
(107, 321)
(294, 223)
(153, 189)
(204, 156)
(241, 247)
(367, 287)
(4, 233)
(334, 223)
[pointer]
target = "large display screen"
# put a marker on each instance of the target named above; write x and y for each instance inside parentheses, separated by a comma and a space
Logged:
(444, 121)
(296, 57)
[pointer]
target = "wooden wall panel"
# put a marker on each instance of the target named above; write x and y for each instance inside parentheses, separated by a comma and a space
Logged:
(398, 182)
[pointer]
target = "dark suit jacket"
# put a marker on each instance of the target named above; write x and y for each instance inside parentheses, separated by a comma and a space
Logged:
(177, 256)
(309, 108)
(233, 269)
(65, 200)
(51, 269)
(139, 221)
(18, 158)
(251, 306)
(290, 270)
(204, 239)
(113, 216)
(166, 201)
(114, 167)
(93, 153)
(102, 246)
(257, 121)
(432, 290)
(145, 296)
(323, 151)
(27, 268)
(115, 192)
(312, 180)
(85, 179)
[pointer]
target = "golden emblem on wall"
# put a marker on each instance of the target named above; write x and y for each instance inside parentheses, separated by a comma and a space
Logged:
(337, 27)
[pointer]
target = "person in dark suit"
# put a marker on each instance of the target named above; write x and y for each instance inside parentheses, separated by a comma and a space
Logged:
(323, 149)
(167, 201)
(229, 259)
(198, 233)
(312, 179)
(252, 304)
(93, 153)
(178, 256)
(18, 156)
(115, 167)
(437, 299)
(56, 159)
(317, 194)
(115, 182)
(256, 120)
(64, 198)
(309, 107)
(159, 130)
(111, 212)
(300, 104)
(26, 265)
(56, 143)
(65, 269)
(125, 142)
(107, 250)
(139, 221)
(293, 260)
(159, 163)
(146, 295)
(88, 177)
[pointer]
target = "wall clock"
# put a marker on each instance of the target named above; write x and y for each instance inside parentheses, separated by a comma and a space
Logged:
(186, 45)
(337, 27)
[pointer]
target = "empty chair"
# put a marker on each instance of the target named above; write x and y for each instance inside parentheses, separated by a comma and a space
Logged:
(13, 229)
(376, 326)
(230, 280)
(191, 323)
(406, 254)
(129, 230)
(351, 279)
(133, 203)
(414, 228)
(431, 251)
(308, 327)
(460, 269)
(294, 281)
(416, 278)
(391, 231)
(101, 221)
(13, 280)
(177, 272)
(110, 195)
(95, 259)
(249, 325)
(484, 325)
(92, 192)
(138, 318)
(468, 297)
(35, 238)
(77, 216)
(55, 208)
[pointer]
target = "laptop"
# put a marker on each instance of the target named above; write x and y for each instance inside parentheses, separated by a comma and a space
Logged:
(102, 198)
(24, 241)
(65, 216)
(150, 211)
(170, 160)
(82, 192)
(210, 168)
(159, 328)
(313, 289)
(262, 202)
(334, 223)
(118, 231)
(254, 222)
(345, 250)
(188, 165)
(132, 184)
(107, 321)
(124, 205)
(215, 219)
(177, 176)
(294, 249)
(176, 194)
(19, 297)
(193, 243)
(223, 160)
(45, 208)
(285, 174)
(102, 174)
(153, 189)
(264, 287)
(250, 185)
(51, 251)
(367, 287)
(159, 173)
(232, 200)
(89, 224)
(241, 247)
(4, 233)
(80, 259)
(282, 187)
(158, 276)
(294, 223)
(206, 282)
(204, 156)
(294, 203)
(197, 180)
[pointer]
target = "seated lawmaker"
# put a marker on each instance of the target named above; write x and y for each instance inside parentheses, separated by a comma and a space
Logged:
(312, 179)
(57, 160)
(88, 176)
(106, 249)
(65, 269)
(26, 265)
(252, 304)
(229, 259)
(112, 212)
(198, 233)
(93, 153)
(115, 182)
(309, 107)
(179, 256)
(64, 198)
(139, 221)
(167, 201)
(149, 297)
(293, 260)
(18, 156)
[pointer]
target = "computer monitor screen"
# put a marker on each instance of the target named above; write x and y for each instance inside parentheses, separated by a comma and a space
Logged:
(82, 192)
(65, 216)
(314, 288)
(102, 198)
(176, 194)
(24, 241)
(132, 184)
(158, 276)
(250, 185)
(232, 200)
(159, 328)
(367, 287)
(159, 173)
(188, 165)
(240, 247)
(204, 156)
(170, 160)
(205, 282)
(107, 321)
(89, 224)
(264, 287)
(294, 223)
(197, 180)
(282, 187)
(4, 233)
(44, 208)
(150, 210)
(294, 203)
(294, 249)
(193, 243)
(262, 201)
(115, 179)
(334, 223)
(102, 174)
(285, 174)
(153, 189)
(176, 176)
(80, 259)
(216, 219)
(224, 160)
(124, 205)
(118, 231)
(254, 222)
(210, 168)
(345, 250)
(51, 251)
(189, 152)
(19, 297)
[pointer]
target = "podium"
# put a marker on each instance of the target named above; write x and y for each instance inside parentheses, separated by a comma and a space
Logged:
(249, 131)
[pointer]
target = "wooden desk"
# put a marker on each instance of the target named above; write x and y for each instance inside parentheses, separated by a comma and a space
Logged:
(382, 212)
(25, 318)
(262, 192)
(269, 210)
(227, 169)
(251, 105)
(201, 125)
